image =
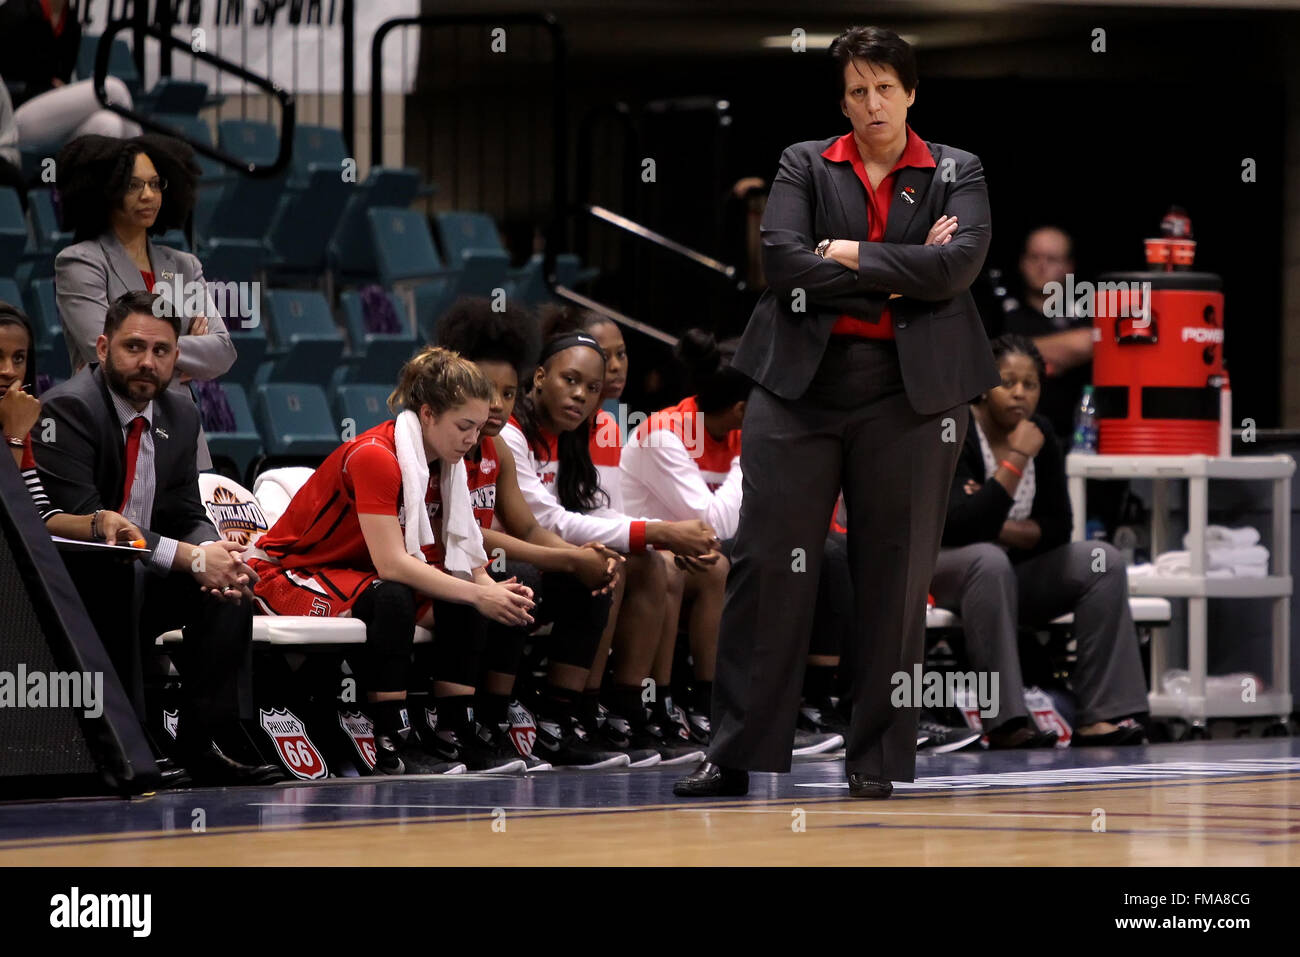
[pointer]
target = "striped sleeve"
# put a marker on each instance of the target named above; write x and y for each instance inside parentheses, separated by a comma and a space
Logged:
(39, 496)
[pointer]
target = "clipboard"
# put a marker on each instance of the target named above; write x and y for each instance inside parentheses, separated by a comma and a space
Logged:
(118, 551)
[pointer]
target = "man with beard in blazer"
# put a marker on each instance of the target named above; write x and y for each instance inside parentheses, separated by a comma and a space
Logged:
(865, 349)
(115, 437)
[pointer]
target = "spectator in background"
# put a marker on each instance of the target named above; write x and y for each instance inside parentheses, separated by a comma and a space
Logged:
(118, 439)
(1065, 341)
(1008, 560)
(39, 43)
(117, 194)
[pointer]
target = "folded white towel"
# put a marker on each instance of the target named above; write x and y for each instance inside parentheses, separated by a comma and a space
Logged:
(462, 538)
(1219, 573)
(1141, 570)
(1174, 563)
(1230, 556)
(1250, 571)
(1222, 535)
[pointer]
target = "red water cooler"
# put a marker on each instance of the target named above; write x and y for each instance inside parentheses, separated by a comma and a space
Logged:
(1157, 362)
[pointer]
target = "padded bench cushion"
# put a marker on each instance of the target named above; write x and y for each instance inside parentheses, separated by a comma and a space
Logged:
(1144, 610)
(304, 630)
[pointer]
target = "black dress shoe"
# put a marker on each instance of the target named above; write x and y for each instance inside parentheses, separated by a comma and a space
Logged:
(1120, 737)
(869, 786)
(711, 780)
(211, 768)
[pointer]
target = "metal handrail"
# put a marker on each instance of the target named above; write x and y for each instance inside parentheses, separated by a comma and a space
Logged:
(559, 105)
(287, 108)
(663, 242)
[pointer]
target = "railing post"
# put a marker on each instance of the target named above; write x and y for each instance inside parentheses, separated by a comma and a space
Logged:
(349, 77)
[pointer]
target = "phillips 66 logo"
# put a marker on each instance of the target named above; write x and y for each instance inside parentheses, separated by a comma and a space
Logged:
(296, 751)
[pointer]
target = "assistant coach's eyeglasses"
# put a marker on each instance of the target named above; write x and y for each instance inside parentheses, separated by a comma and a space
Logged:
(136, 186)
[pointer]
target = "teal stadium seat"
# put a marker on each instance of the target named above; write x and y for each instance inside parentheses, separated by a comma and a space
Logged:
(306, 344)
(365, 404)
(376, 356)
(294, 420)
(317, 146)
(242, 446)
(350, 249)
(13, 231)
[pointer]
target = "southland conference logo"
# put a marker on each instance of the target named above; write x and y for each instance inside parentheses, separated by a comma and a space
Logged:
(237, 520)
(53, 689)
(239, 303)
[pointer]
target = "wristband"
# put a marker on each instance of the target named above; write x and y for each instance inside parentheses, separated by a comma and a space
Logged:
(1007, 465)
(94, 525)
(15, 441)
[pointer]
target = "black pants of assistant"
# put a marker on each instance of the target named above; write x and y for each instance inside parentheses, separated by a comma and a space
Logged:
(853, 429)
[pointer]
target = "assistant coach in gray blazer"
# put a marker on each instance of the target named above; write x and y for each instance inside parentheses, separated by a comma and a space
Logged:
(115, 195)
(864, 349)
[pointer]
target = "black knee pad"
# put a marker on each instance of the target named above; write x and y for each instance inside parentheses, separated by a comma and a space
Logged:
(388, 609)
(459, 637)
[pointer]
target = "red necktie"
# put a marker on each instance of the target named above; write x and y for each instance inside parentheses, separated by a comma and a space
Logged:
(132, 451)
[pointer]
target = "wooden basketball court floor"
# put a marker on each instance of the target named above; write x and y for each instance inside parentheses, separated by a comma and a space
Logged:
(1204, 803)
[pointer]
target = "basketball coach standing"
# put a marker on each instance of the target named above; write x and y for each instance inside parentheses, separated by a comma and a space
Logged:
(864, 348)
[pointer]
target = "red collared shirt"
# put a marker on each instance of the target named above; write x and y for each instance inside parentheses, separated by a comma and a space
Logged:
(916, 154)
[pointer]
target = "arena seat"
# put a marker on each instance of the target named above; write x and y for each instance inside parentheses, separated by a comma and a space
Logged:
(350, 249)
(13, 231)
(232, 260)
(175, 238)
(9, 293)
(306, 344)
(253, 141)
(245, 209)
(403, 246)
(173, 95)
(250, 354)
(297, 237)
(316, 146)
(364, 403)
(294, 420)
(244, 444)
(51, 348)
(120, 62)
(196, 129)
(48, 238)
(376, 356)
(275, 488)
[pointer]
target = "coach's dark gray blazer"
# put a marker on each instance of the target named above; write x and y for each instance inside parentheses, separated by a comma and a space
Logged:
(83, 462)
(91, 274)
(942, 348)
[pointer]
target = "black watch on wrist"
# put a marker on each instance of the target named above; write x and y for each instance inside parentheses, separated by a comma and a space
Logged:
(822, 246)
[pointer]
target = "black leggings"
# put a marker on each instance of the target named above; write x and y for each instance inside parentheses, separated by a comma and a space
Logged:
(578, 616)
(388, 609)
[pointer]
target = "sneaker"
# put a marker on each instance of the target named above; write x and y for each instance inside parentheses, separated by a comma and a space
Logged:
(942, 739)
(481, 755)
(503, 743)
(821, 718)
(395, 756)
(616, 735)
(572, 747)
(669, 741)
(698, 726)
(387, 760)
(815, 742)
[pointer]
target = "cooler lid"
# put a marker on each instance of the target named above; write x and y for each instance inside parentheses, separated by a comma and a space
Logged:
(1201, 281)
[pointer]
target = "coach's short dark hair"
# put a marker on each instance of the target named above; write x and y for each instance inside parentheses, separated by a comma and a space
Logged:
(878, 45)
(130, 303)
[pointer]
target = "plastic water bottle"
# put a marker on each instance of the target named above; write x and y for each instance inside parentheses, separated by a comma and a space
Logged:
(1085, 424)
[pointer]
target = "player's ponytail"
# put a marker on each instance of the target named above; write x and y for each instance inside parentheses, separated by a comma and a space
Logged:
(440, 379)
(709, 374)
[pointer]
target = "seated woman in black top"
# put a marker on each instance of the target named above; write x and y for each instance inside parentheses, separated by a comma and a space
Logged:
(1007, 560)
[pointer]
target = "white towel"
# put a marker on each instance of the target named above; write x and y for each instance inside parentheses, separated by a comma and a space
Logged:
(1174, 563)
(1228, 556)
(1141, 570)
(1249, 571)
(462, 539)
(1222, 535)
